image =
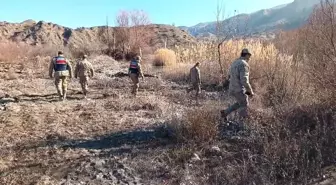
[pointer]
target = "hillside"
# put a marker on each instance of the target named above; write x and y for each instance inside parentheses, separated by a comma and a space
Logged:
(37, 33)
(287, 16)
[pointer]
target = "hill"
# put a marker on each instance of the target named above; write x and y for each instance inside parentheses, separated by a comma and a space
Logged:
(287, 16)
(39, 33)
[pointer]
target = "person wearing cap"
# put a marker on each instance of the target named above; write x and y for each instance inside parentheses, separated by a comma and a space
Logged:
(84, 71)
(63, 71)
(135, 71)
(239, 86)
(195, 79)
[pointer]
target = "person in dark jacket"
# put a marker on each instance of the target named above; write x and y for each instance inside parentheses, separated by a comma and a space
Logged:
(135, 71)
(63, 71)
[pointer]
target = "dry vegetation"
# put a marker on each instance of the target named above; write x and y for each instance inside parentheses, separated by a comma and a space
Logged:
(164, 57)
(160, 137)
(293, 117)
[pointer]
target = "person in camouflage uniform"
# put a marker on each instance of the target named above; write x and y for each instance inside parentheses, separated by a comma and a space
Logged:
(239, 86)
(63, 71)
(84, 71)
(195, 78)
(135, 71)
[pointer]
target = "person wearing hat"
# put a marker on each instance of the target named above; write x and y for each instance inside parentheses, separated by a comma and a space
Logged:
(84, 71)
(135, 71)
(239, 86)
(63, 71)
(195, 78)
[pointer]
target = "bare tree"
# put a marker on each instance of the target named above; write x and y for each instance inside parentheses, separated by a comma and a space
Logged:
(132, 33)
(320, 47)
(227, 29)
(122, 19)
(219, 32)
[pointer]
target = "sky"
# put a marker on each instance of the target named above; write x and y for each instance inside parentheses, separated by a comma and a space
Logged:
(87, 13)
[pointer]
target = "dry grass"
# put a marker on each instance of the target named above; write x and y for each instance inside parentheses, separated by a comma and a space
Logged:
(196, 125)
(275, 76)
(280, 149)
(177, 73)
(164, 57)
(264, 58)
(292, 129)
(12, 52)
(17, 52)
(290, 136)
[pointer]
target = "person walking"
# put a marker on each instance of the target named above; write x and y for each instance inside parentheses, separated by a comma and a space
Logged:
(239, 85)
(62, 72)
(195, 79)
(135, 71)
(84, 71)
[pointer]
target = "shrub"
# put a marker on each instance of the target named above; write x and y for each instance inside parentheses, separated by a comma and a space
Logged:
(287, 148)
(12, 52)
(197, 125)
(130, 36)
(164, 57)
(178, 73)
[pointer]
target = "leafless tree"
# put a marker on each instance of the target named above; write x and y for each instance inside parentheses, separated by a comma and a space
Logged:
(220, 15)
(320, 46)
(227, 29)
(132, 33)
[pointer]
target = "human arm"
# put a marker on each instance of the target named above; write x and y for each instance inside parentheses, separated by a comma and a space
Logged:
(51, 68)
(140, 71)
(198, 76)
(244, 78)
(76, 70)
(69, 68)
(91, 70)
(190, 75)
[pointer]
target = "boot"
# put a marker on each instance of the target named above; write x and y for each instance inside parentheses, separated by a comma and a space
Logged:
(64, 95)
(188, 90)
(60, 95)
(224, 115)
(85, 94)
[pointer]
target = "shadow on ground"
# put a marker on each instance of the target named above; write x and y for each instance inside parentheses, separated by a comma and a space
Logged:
(124, 143)
(115, 143)
(131, 142)
(74, 95)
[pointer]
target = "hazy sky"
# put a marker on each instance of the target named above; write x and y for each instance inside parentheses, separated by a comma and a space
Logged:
(78, 13)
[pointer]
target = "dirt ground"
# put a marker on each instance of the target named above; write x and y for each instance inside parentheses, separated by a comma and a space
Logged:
(113, 138)
(96, 141)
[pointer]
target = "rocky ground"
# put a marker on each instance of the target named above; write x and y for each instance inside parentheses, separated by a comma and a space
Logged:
(113, 138)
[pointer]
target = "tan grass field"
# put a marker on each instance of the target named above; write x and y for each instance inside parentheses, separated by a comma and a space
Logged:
(162, 136)
(115, 138)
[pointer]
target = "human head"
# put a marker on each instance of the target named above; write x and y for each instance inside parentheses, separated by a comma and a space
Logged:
(197, 64)
(246, 54)
(138, 58)
(60, 53)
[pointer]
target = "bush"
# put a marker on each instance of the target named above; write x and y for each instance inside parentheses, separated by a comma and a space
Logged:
(164, 57)
(12, 52)
(197, 125)
(178, 73)
(290, 147)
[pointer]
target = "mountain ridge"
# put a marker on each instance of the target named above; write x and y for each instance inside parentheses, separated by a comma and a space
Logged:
(286, 16)
(262, 23)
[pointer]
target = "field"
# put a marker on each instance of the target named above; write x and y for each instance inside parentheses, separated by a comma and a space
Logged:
(163, 136)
